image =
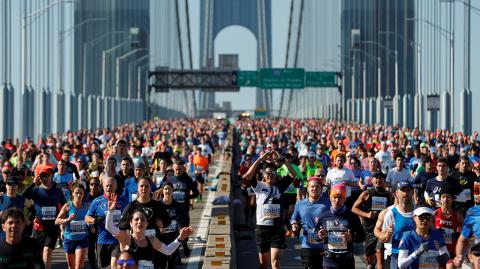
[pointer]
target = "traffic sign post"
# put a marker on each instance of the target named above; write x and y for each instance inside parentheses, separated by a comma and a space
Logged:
(278, 78)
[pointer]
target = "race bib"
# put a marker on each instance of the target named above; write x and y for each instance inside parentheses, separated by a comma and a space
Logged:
(336, 241)
(468, 194)
(49, 213)
(179, 196)
(312, 236)
(172, 227)
(78, 227)
(448, 235)
(117, 215)
(428, 260)
(379, 203)
(150, 233)
(142, 264)
(271, 211)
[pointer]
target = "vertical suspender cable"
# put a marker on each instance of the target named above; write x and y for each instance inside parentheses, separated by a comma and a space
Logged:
(299, 31)
(179, 34)
(190, 53)
(286, 56)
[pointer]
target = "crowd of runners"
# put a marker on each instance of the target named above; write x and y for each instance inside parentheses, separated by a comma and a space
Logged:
(121, 197)
(409, 196)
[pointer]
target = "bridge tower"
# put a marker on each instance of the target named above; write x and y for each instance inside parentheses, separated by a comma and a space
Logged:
(255, 15)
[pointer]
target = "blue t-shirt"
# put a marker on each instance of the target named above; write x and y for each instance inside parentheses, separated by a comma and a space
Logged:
(63, 181)
(471, 224)
(99, 208)
(9, 202)
(411, 241)
(131, 189)
(308, 213)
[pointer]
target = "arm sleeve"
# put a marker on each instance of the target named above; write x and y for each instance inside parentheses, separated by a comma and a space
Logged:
(404, 260)
(28, 192)
(111, 228)
(170, 248)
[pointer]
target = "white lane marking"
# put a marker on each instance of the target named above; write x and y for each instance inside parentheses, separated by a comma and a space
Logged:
(202, 231)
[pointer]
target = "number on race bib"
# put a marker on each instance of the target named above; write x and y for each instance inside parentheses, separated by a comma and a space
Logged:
(49, 213)
(379, 203)
(271, 211)
(142, 264)
(428, 260)
(78, 227)
(336, 241)
(179, 196)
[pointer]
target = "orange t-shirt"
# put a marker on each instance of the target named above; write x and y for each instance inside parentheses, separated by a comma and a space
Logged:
(202, 161)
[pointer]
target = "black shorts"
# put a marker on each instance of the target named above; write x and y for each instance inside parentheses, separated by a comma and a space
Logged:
(200, 179)
(370, 244)
(312, 258)
(269, 237)
(105, 253)
(48, 237)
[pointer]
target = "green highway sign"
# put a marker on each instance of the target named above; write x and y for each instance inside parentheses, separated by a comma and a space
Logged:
(321, 79)
(278, 78)
(247, 78)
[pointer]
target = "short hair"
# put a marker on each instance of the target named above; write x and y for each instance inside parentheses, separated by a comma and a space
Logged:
(399, 155)
(13, 213)
(340, 155)
(442, 160)
(464, 158)
(126, 159)
(178, 161)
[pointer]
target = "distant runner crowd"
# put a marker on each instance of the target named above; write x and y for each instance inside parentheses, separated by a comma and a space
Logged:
(409, 196)
(119, 196)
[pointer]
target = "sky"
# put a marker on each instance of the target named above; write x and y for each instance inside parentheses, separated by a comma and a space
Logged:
(239, 40)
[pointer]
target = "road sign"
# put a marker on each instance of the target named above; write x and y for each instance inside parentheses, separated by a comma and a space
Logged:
(247, 78)
(388, 102)
(278, 78)
(321, 79)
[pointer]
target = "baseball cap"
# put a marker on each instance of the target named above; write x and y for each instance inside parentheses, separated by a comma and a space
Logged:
(12, 181)
(423, 145)
(45, 170)
(423, 210)
(7, 168)
(403, 184)
(339, 189)
(311, 154)
(139, 165)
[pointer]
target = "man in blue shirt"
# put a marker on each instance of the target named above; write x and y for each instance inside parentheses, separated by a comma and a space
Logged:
(305, 216)
(63, 179)
(107, 244)
(131, 184)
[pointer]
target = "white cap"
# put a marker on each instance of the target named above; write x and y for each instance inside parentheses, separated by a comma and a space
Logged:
(422, 210)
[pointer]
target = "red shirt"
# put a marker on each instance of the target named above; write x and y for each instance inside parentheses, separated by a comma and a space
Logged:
(449, 225)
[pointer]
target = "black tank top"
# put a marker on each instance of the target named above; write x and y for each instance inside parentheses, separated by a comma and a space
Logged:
(382, 200)
(141, 253)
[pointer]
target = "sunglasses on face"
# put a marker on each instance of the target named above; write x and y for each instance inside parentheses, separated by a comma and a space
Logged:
(128, 262)
(94, 184)
(476, 253)
(270, 173)
(427, 217)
